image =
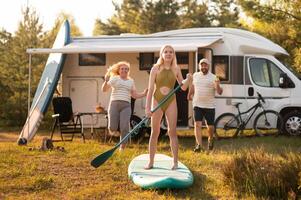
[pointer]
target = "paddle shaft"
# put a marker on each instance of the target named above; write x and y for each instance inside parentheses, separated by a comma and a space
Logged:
(100, 159)
(146, 118)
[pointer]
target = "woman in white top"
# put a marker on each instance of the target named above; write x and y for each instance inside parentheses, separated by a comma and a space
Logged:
(123, 88)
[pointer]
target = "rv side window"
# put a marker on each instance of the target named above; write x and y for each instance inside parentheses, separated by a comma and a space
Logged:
(146, 61)
(221, 67)
(264, 72)
(182, 57)
(92, 59)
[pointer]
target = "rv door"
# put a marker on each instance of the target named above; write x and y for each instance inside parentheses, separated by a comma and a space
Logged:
(264, 74)
(84, 95)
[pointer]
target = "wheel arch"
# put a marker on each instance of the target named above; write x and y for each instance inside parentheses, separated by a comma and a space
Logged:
(286, 110)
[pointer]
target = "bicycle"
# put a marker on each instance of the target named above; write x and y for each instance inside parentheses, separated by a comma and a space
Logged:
(266, 122)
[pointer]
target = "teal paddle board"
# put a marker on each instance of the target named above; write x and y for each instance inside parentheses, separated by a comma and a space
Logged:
(46, 87)
(160, 176)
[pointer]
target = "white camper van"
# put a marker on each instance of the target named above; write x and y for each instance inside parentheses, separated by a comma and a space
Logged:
(244, 61)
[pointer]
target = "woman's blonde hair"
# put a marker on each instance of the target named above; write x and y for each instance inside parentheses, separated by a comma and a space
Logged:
(160, 60)
(114, 69)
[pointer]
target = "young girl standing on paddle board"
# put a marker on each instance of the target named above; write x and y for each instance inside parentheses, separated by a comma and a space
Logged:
(163, 77)
(123, 88)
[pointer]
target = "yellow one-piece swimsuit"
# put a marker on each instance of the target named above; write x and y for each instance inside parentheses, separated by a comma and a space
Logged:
(165, 78)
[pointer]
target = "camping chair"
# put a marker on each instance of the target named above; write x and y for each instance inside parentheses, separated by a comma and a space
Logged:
(68, 123)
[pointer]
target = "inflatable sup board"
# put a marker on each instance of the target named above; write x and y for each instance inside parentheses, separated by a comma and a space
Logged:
(161, 175)
(46, 87)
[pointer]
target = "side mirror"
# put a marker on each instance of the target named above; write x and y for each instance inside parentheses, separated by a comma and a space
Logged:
(285, 81)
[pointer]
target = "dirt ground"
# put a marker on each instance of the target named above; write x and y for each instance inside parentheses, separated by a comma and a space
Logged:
(9, 136)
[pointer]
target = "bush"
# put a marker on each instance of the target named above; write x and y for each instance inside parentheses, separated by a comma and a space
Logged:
(263, 175)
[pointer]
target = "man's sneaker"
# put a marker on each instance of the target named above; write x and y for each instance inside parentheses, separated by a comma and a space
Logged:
(198, 148)
(210, 145)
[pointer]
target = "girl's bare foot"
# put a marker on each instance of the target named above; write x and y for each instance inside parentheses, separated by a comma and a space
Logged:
(149, 166)
(175, 166)
(122, 147)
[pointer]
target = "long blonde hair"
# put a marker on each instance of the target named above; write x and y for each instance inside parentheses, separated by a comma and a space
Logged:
(160, 60)
(114, 69)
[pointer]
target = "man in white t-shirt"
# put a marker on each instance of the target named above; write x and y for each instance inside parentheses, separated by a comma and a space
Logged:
(202, 94)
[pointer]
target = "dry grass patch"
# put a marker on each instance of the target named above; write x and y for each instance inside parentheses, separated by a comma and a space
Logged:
(264, 175)
(54, 174)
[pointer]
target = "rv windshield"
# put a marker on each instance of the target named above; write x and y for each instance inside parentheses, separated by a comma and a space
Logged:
(293, 70)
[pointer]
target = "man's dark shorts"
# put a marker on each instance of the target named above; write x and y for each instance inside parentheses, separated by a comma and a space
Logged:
(207, 113)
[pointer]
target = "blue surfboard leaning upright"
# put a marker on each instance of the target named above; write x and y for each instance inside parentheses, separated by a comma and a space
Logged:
(46, 87)
(161, 176)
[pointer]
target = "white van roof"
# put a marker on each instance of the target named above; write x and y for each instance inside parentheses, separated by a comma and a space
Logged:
(239, 41)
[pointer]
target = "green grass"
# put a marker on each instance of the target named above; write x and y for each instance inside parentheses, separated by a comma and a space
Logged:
(54, 174)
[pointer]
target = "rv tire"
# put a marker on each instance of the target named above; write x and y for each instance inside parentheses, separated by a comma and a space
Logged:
(292, 123)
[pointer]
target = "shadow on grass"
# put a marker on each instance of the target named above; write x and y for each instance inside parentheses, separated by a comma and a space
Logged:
(196, 191)
(271, 144)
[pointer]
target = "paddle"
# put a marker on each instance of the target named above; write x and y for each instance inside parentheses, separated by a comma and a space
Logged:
(102, 158)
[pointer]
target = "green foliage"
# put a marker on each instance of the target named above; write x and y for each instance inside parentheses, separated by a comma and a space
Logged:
(124, 20)
(14, 63)
(257, 173)
(194, 14)
(279, 21)
(15, 67)
(111, 28)
(5, 45)
(75, 30)
(148, 16)
(225, 13)
(160, 16)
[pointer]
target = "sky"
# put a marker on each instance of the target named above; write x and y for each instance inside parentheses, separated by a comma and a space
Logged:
(84, 12)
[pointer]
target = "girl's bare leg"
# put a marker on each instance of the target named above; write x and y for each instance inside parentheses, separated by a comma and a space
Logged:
(171, 117)
(155, 124)
(198, 132)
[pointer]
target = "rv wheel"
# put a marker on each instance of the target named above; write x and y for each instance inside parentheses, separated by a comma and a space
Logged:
(292, 123)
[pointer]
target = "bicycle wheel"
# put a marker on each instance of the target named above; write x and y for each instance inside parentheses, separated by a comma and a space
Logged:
(268, 122)
(226, 126)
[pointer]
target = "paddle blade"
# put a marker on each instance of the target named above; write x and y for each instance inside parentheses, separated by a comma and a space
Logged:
(102, 158)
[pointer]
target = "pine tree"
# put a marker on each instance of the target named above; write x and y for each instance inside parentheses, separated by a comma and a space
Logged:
(135, 16)
(29, 34)
(5, 44)
(225, 13)
(193, 14)
(160, 16)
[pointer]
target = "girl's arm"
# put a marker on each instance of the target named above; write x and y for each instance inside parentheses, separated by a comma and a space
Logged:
(137, 95)
(180, 78)
(190, 93)
(105, 86)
